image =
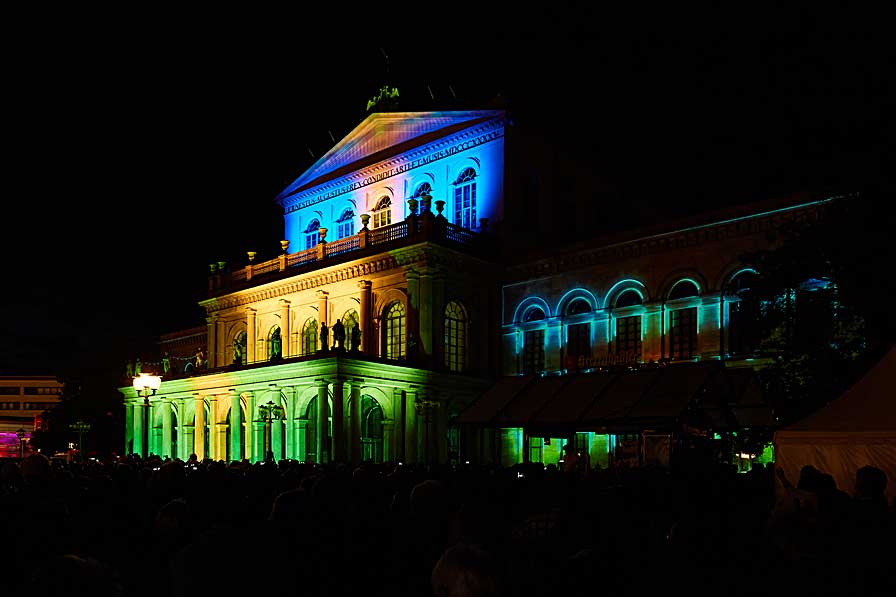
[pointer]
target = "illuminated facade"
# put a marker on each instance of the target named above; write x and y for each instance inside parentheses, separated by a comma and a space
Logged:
(391, 228)
(408, 235)
(23, 401)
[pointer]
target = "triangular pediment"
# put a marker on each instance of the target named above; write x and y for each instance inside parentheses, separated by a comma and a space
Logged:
(379, 132)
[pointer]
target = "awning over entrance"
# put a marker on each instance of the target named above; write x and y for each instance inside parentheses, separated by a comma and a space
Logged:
(707, 393)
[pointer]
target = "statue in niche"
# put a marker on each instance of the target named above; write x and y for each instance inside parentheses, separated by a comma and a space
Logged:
(338, 335)
(324, 336)
(129, 368)
(166, 363)
(138, 367)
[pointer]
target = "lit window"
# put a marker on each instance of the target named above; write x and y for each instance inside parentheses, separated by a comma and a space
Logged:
(382, 213)
(465, 199)
(455, 337)
(423, 189)
(345, 225)
(395, 330)
(309, 336)
(311, 234)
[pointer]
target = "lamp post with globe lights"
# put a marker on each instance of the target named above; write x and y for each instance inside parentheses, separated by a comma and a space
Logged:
(146, 385)
(269, 412)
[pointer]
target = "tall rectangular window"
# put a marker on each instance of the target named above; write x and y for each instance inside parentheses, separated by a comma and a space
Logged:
(578, 340)
(628, 335)
(683, 333)
(533, 351)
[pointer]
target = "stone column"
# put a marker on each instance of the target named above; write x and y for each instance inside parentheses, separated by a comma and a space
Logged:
(410, 424)
(301, 439)
(339, 420)
(199, 428)
(250, 337)
(212, 340)
(437, 325)
(151, 448)
(129, 445)
(652, 343)
(425, 314)
(388, 433)
(289, 412)
(355, 420)
(709, 332)
(284, 329)
(322, 413)
(213, 427)
(323, 314)
(440, 435)
(166, 430)
(236, 425)
(251, 450)
(221, 356)
(189, 440)
(412, 337)
(365, 315)
(183, 454)
(600, 335)
(277, 426)
(553, 344)
(140, 411)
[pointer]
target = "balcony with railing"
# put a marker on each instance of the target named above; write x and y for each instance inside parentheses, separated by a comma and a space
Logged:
(417, 228)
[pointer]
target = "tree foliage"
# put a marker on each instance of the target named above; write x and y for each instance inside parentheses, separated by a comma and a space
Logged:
(820, 301)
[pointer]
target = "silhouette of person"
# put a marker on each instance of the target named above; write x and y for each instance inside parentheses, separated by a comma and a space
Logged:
(338, 335)
(324, 337)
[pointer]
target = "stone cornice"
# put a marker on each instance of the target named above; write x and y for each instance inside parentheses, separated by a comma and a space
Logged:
(417, 256)
(660, 243)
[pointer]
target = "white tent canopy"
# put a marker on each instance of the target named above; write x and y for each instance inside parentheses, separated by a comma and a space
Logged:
(856, 429)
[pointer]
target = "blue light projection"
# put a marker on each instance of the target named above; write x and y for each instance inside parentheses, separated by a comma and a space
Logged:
(346, 173)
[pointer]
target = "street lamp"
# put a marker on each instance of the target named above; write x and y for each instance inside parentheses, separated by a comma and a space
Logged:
(269, 412)
(20, 433)
(146, 385)
(80, 426)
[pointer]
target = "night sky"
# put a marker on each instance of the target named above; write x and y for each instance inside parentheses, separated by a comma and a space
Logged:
(136, 158)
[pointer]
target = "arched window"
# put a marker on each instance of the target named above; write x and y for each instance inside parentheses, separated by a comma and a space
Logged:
(345, 225)
(533, 343)
(743, 333)
(239, 349)
(455, 337)
(683, 322)
(423, 189)
(578, 335)
(628, 325)
(394, 331)
(465, 199)
(275, 345)
(311, 234)
(371, 429)
(309, 336)
(382, 213)
(351, 321)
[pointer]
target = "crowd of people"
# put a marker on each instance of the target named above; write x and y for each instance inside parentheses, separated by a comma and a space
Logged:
(139, 527)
